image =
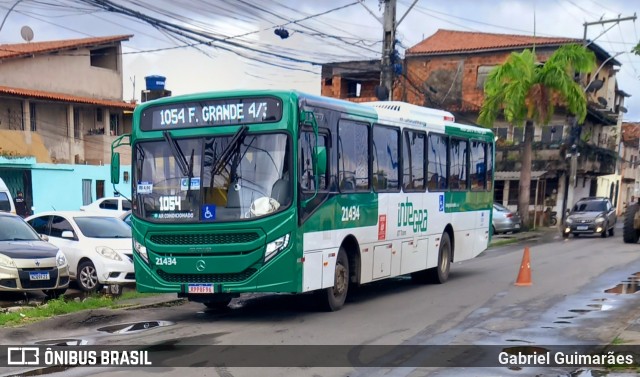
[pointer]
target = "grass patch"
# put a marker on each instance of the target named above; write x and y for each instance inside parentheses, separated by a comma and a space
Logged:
(503, 242)
(617, 341)
(64, 306)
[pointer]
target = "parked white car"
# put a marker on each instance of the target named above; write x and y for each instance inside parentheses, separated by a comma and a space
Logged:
(114, 206)
(98, 247)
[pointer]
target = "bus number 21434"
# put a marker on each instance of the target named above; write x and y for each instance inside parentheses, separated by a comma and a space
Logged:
(350, 213)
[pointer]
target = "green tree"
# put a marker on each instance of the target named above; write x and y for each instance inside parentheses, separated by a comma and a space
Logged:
(526, 91)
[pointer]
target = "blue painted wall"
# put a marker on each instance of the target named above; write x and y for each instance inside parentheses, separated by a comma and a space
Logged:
(59, 186)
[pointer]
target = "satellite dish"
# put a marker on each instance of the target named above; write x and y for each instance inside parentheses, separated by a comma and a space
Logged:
(26, 33)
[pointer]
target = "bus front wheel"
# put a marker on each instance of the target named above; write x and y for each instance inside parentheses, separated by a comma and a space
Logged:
(333, 298)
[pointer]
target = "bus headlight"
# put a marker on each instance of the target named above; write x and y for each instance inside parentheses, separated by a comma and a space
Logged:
(142, 250)
(274, 247)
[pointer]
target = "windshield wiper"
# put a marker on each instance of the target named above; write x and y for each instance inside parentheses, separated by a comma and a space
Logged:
(181, 160)
(226, 153)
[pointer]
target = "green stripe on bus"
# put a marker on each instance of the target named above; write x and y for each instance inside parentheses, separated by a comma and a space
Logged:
(344, 211)
(464, 201)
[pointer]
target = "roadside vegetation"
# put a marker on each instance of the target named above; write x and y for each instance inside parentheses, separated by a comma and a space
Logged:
(62, 305)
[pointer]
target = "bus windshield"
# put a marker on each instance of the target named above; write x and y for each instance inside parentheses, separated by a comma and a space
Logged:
(226, 178)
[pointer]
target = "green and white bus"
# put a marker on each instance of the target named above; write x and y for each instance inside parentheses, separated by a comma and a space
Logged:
(280, 191)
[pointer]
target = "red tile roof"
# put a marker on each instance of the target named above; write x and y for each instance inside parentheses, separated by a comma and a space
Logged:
(452, 41)
(630, 131)
(39, 94)
(27, 49)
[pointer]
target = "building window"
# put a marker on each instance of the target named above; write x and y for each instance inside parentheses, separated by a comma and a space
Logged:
(104, 58)
(100, 189)
(76, 124)
(32, 116)
(552, 134)
(114, 121)
(501, 132)
(353, 89)
(514, 189)
(86, 192)
(518, 134)
(483, 72)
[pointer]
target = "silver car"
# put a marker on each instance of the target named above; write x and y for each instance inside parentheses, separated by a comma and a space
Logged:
(27, 262)
(504, 220)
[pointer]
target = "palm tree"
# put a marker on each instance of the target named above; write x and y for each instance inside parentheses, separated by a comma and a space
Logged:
(527, 91)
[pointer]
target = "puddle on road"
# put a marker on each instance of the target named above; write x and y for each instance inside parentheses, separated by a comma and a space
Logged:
(561, 322)
(128, 328)
(43, 371)
(567, 317)
(63, 342)
(624, 288)
(589, 373)
(580, 311)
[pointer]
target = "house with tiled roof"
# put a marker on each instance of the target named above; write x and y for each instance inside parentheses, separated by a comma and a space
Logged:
(61, 106)
(447, 70)
(630, 155)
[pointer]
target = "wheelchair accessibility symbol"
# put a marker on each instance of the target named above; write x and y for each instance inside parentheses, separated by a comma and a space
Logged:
(208, 212)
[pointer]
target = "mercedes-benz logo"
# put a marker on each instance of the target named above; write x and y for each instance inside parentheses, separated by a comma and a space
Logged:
(200, 265)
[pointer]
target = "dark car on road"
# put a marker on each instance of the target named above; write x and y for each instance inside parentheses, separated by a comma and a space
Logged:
(27, 262)
(591, 216)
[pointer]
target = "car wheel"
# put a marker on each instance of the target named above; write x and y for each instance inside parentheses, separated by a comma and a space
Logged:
(612, 230)
(88, 277)
(493, 230)
(565, 235)
(54, 293)
(604, 231)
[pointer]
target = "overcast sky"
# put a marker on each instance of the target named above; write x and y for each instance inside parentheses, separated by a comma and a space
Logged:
(261, 59)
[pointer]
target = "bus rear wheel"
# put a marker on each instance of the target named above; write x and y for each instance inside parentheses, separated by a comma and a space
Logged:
(333, 298)
(440, 273)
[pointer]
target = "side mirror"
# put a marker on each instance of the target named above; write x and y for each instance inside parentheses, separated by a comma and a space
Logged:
(44, 237)
(67, 234)
(321, 161)
(115, 168)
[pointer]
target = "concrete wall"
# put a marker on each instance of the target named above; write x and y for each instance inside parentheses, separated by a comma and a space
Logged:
(60, 186)
(69, 72)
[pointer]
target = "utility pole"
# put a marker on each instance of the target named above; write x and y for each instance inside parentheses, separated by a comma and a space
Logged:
(389, 25)
(388, 45)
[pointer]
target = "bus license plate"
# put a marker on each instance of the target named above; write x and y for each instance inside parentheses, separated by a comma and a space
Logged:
(200, 288)
(582, 227)
(38, 276)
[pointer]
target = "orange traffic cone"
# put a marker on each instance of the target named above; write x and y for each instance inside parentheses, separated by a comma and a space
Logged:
(524, 276)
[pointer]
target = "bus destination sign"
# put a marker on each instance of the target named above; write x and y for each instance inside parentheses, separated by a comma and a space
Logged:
(219, 112)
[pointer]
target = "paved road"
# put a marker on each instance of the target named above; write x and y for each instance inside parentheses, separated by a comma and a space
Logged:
(566, 304)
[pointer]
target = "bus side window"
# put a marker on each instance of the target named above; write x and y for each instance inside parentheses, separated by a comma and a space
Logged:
(437, 161)
(307, 144)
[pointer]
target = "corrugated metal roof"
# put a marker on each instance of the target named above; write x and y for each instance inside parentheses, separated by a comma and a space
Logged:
(32, 48)
(29, 93)
(515, 175)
